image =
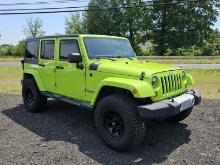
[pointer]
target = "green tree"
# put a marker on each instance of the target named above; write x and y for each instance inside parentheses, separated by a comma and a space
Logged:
(9, 50)
(33, 27)
(182, 25)
(118, 18)
(98, 22)
(212, 45)
(18, 50)
(130, 20)
(171, 28)
(75, 24)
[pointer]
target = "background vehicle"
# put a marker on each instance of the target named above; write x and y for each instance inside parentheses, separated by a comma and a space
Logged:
(102, 73)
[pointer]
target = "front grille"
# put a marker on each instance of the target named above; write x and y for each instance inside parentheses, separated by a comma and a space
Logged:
(171, 83)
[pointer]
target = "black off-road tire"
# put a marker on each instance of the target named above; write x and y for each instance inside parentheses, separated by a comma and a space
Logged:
(34, 101)
(183, 115)
(134, 128)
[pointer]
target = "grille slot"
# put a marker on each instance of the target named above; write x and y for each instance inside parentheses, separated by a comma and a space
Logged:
(171, 83)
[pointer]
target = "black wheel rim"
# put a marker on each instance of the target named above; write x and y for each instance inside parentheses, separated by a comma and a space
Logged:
(114, 124)
(29, 96)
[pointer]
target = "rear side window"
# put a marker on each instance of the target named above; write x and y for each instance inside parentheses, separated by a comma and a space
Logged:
(67, 47)
(31, 50)
(47, 49)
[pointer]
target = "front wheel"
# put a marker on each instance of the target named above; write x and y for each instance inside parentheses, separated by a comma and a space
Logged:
(118, 123)
(34, 101)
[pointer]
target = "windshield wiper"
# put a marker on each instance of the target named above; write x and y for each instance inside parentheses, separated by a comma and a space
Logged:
(112, 57)
(104, 57)
(129, 58)
(124, 57)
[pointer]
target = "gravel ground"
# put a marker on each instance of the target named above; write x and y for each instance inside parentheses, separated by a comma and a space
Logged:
(65, 134)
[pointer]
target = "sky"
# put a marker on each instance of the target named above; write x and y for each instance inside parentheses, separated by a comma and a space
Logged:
(11, 27)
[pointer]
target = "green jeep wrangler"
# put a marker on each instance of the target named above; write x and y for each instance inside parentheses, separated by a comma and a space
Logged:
(102, 73)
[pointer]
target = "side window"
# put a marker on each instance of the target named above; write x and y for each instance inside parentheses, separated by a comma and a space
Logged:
(31, 49)
(67, 47)
(47, 49)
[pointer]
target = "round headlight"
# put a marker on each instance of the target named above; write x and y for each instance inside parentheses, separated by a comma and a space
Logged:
(154, 81)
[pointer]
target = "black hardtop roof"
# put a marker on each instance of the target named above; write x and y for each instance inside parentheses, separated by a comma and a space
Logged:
(67, 35)
(52, 36)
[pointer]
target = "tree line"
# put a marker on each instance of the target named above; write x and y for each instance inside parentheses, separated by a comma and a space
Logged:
(166, 27)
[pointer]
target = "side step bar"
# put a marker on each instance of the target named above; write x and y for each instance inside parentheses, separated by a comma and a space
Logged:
(68, 100)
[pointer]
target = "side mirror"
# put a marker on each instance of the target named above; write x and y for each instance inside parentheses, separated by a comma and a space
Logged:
(74, 58)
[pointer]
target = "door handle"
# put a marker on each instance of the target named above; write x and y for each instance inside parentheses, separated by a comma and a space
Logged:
(42, 65)
(59, 67)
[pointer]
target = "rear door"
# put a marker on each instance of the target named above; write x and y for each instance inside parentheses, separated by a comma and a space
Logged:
(47, 63)
(70, 79)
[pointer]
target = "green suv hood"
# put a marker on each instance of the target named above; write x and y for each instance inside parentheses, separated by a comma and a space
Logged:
(132, 67)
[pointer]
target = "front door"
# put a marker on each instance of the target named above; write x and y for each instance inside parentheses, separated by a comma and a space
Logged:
(47, 63)
(70, 80)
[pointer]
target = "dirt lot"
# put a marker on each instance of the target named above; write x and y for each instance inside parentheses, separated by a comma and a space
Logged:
(64, 134)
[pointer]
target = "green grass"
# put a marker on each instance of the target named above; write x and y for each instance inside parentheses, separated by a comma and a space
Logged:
(10, 79)
(208, 81)
(10, 58)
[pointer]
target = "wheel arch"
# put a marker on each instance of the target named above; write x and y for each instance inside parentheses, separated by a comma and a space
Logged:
(109, 90)
(36, 77)
(134, 88)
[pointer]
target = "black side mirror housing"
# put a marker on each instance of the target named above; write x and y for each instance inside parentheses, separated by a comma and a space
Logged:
(74, 58)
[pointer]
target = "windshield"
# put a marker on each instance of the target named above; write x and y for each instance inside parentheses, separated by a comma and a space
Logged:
(108, 47)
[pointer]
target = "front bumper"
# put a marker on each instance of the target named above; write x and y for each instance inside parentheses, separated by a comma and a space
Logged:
(168, 108)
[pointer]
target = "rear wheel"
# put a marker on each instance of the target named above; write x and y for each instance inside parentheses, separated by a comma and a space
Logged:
(118, 123)
(183, 115)
(34, 101)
